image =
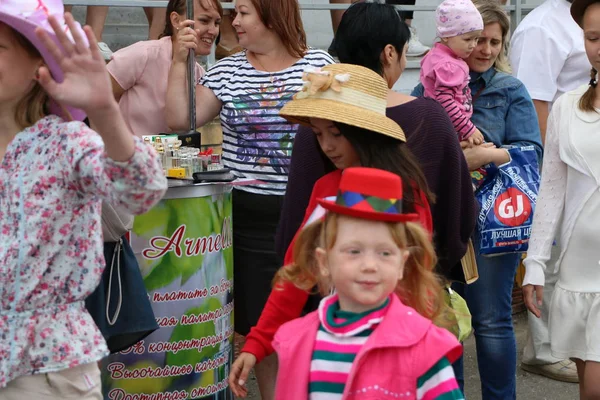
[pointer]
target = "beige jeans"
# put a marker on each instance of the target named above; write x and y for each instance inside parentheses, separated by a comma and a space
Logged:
(82, 383)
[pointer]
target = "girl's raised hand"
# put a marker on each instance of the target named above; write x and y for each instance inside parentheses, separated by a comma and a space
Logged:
(86, 83)
(186, 39)
(239, 374)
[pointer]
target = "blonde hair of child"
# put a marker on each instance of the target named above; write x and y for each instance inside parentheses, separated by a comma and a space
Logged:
(33, 106)
(420, 287)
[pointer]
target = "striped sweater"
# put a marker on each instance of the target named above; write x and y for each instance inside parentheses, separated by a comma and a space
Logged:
(339, 339)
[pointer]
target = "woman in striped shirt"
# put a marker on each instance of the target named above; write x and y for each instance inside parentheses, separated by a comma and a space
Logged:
(365, 341)
(247, 90)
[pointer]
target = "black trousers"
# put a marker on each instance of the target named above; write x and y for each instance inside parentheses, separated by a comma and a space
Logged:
(255, 261)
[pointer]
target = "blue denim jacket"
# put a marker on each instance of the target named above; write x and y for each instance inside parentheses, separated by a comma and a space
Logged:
(503, 111)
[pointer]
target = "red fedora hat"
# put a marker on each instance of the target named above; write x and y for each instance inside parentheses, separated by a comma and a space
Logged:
(369, 193)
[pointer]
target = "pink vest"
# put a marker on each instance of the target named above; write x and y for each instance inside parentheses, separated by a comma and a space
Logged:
(402, 349)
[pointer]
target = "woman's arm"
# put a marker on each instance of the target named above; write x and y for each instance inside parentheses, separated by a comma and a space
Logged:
(208, 105)
(548, 212)
(285, 303)
(484, 154)
(522, 128)
(417, 90)
(127, 67)
(549, 207)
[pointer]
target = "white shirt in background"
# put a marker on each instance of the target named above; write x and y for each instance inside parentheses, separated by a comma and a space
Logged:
(547, 52)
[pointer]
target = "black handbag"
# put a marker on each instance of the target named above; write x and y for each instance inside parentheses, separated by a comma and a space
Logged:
(120, 305)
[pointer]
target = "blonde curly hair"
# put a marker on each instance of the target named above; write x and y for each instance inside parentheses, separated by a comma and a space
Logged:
(420, 287)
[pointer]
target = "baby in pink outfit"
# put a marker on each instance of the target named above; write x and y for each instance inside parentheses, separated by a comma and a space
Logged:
(445, 74)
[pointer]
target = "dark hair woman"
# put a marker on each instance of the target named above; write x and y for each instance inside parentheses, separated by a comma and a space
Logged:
(373, 35)
(246, 90)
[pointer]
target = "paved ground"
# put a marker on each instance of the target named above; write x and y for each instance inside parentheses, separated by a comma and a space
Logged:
(529, 386)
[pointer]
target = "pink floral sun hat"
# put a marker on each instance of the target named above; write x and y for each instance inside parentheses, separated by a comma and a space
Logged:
(457, 17)
(24, 16)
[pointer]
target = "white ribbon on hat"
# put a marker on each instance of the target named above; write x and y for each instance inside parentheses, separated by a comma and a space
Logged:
(319, 212)
(351, 97)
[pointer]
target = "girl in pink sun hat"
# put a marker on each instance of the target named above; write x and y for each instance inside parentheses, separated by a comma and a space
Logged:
(54, 175)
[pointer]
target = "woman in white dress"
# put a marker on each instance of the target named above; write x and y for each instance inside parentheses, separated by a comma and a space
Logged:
(568, 208)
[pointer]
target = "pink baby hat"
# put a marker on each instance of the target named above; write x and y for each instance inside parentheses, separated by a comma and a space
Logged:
(457, 17)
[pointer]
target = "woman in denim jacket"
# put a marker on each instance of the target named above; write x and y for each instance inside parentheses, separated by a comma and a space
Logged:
(504, 112)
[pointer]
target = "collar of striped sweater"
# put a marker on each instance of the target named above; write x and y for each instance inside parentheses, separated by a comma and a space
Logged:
(346, 324)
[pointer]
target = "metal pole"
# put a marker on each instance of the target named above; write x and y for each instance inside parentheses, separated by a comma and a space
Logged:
(191, 73)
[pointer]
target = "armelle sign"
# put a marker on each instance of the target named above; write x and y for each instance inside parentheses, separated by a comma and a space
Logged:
(180, 245)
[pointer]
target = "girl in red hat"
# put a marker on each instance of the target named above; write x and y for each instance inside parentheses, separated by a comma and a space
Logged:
(54, 174)
(370, 339)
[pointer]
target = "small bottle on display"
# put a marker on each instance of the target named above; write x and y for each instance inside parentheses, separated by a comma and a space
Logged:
(160, 149)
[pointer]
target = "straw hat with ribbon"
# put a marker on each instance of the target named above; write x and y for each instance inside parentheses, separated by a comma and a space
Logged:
(24, 16)
(343, 93)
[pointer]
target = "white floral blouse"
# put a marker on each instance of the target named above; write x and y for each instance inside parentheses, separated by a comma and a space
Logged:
(53, 178)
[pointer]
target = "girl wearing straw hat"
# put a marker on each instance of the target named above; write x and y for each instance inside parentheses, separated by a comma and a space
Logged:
(345, 105)
(54, 176)
(374, 36)
(369, 339)
(345, 99)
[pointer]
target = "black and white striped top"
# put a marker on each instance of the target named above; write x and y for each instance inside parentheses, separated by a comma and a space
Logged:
(257, 142)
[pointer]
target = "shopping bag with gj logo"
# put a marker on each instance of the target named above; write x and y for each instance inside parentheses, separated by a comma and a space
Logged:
(507, 201)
